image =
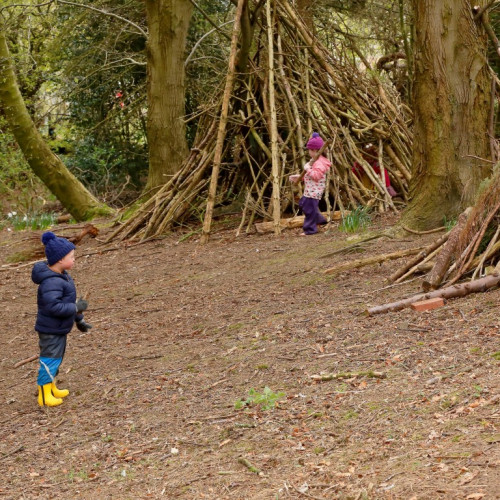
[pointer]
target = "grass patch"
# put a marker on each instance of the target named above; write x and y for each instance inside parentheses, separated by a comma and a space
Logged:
(356, 220)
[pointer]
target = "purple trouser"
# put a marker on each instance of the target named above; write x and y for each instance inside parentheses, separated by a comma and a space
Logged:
(312, 214)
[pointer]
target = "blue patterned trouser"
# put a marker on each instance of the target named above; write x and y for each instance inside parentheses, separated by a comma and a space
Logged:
(52, 348)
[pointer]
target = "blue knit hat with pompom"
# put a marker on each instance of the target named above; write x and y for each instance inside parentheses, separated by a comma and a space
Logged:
(56, 248)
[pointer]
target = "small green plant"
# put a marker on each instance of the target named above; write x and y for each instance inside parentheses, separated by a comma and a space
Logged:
(350, 415)
(496, 355)
(449, 224)
(266, 399)
(478, 390)
(80, 475)
(30, 221)
(357, 219)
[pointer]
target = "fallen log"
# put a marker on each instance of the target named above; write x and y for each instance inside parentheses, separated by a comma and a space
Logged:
(354, 264)
(476, 286)
(291, 222)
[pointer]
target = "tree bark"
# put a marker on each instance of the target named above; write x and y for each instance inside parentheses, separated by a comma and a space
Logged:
(451, 108)
(168, 23)
(75, 198)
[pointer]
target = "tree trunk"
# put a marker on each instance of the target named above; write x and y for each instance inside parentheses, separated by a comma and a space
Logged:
(47, 166)
(451, 105)
(168, 23)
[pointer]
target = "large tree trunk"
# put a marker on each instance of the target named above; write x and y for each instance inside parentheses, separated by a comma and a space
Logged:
(47, 166)
(451, 107)
(168, 23)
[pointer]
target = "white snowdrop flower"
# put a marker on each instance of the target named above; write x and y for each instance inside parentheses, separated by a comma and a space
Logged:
(25, 218)
(174, 451)
(9, 215)
(9, 229)
(14, 213)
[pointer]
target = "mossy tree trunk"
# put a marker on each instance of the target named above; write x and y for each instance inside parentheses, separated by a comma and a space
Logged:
(75, 198)
(452, 100)
(168, 23)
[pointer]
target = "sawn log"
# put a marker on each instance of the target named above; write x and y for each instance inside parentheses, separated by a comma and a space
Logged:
(291, 222)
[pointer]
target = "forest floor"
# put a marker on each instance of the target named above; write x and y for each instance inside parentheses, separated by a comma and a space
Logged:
(181, 332)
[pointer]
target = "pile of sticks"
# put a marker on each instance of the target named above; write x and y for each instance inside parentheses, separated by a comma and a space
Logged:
(470, 250)
(313, 88)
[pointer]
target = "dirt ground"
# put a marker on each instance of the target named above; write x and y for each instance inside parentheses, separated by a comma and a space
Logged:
(181, 332)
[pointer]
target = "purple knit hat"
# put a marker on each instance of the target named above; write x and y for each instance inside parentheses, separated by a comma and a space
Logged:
(315, 142)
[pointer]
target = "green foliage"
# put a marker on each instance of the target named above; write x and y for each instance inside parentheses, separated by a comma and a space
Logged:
(357, 219)
(20, 188)
(104, 167)
(267, 399)
(449, 224)
(33, 221)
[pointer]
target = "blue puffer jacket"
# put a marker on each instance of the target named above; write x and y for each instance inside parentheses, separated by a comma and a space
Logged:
(56, 300)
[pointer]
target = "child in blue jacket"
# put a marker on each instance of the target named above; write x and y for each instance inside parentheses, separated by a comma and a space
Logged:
(58, 309)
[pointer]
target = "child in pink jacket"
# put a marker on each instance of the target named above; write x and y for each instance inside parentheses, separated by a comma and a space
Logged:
(315, 183)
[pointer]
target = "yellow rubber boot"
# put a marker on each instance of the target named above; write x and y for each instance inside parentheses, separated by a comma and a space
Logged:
(59, 393)
(45, 397)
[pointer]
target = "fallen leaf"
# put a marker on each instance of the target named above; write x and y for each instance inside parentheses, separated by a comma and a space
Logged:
(468, 477)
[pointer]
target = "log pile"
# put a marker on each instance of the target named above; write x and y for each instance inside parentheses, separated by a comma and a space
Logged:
(315, 89)
(470, 250)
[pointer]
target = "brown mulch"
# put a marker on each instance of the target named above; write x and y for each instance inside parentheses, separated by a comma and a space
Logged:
(183, 331)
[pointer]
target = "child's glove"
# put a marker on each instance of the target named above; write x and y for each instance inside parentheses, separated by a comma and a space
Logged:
(82, 326)
(307, 166)
(81, 305)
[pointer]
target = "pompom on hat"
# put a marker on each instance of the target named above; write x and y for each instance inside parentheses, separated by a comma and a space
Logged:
(315, 142)
(56, 248)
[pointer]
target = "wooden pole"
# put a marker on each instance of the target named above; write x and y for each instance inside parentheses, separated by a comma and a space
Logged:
(221, 132)
(274, 126)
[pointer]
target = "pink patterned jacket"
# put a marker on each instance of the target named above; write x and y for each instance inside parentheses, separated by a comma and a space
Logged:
(315, 178)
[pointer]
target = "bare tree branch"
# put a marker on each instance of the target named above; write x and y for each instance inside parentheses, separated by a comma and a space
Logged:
(478, 11)
(26, 5)
(207, 17)
(197, 44)
(106, 13)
